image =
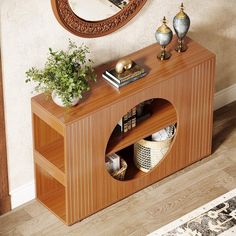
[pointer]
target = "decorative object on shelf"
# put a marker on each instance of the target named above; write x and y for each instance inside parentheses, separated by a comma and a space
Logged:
(116, 166)
(164, 36)
(123, 64)
(58, 100)
(131, 69)
(142, 111)
(131, 72)
(120, 174)
(112, 162)
(65, 76)
(147, 154)
(181, 24)
(164, 134)
(128, 121)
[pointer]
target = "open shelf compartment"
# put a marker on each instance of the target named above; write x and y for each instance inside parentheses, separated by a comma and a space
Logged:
(50, 193)
(49, 149)
(162, 115)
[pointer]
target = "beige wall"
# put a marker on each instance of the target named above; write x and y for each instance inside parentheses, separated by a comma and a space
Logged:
(28, 28)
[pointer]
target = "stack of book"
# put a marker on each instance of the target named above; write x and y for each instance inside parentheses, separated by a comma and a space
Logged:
(128, 121)
(118, 80)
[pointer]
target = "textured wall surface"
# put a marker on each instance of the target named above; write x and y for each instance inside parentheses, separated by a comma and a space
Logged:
(29, 27)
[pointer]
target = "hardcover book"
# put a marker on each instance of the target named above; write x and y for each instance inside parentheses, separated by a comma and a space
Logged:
(128, 121)
(119, 85)
(124, 123)
(134, 71)
(133, 124)
(133, 117)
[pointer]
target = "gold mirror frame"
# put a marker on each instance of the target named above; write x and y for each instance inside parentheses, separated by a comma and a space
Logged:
(92, 29)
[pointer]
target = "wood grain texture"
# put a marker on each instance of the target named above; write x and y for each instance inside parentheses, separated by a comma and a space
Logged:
(49, 149)
(162, 116)
(186, 81)
(93, 101)
(5, 200)
(152, 207)
(50, 193)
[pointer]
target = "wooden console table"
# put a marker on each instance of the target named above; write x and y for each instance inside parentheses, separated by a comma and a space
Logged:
(70, 144)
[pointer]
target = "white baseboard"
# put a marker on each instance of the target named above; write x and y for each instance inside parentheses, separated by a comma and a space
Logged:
(26, 192)
(23, 194)
(225, 96)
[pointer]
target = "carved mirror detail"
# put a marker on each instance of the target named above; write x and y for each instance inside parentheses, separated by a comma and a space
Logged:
(91, 29)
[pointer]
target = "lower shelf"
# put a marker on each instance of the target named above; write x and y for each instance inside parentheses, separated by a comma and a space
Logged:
(51, 193)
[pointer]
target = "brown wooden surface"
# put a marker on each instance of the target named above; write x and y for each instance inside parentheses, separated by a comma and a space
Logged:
(91, 29)
(50, 167)
(50, 192)
(5, 200)
(162, 116)
(48, 117)
(49, 149)
(152, 207)
(186, 81)
(103, 94)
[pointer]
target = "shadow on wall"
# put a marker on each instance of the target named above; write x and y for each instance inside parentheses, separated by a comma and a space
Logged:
(218, 34)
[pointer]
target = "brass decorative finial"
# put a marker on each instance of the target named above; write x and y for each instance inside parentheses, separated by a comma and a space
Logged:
(164, 21)
(181, 14)
(164, 28)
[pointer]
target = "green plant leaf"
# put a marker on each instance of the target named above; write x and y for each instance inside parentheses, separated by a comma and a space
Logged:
(67, 72)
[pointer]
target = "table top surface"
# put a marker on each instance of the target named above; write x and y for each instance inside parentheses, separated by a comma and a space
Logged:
(103, 94)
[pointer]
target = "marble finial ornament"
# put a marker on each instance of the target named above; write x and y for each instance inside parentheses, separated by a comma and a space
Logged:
(164, 36)
(181, 24)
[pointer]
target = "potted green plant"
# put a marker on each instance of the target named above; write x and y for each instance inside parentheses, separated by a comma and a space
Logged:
(65, 76)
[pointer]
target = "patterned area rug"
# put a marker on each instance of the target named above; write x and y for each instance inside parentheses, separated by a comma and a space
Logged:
(217, 217)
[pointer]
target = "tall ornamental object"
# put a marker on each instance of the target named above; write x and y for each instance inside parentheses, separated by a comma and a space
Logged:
(181, 24)
(164, 36)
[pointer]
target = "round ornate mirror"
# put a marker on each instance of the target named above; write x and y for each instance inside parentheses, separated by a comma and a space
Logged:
(95, 18)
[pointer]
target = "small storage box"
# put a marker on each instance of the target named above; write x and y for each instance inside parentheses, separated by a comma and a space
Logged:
(147, 154)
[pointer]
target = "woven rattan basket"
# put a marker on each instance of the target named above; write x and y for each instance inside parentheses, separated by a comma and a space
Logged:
(120, 174)
(147, 154)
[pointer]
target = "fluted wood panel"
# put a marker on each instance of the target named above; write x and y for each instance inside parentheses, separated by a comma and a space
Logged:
(186, 81)
(79, 168)
(201, 110)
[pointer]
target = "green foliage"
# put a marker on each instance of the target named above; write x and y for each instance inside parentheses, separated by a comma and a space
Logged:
(66, 72)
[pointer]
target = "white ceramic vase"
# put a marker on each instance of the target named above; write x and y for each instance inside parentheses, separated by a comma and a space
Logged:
(57, 99)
